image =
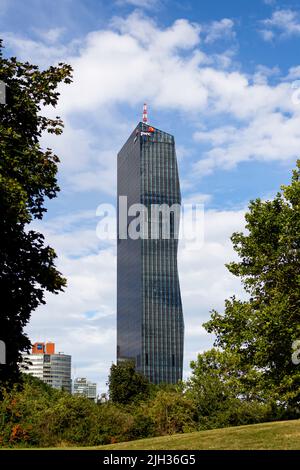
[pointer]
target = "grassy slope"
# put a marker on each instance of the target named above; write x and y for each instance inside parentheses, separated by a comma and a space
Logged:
(279, 435)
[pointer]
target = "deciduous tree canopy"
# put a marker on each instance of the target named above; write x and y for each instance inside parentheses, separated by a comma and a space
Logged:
(27, 178)
(262, 330)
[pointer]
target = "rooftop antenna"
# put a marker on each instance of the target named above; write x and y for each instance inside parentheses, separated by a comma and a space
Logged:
(145, 114)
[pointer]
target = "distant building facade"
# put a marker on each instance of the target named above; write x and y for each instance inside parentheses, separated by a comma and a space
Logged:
(52, 368)
(83, 387)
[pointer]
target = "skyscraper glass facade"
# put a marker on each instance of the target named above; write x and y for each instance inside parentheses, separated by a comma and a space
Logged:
(150, 326)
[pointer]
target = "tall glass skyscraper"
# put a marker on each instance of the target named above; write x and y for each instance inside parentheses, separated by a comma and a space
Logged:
(150, 327)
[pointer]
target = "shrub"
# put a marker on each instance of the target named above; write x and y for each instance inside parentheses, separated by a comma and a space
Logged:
(171, 412)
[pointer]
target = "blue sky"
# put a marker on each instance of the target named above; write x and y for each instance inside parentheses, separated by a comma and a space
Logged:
(220, 76)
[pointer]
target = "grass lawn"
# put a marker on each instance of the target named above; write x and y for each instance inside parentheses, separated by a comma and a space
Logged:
(279, 435)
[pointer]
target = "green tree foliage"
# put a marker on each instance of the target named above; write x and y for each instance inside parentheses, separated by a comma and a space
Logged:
(261, 330)
(37, 415)
(126, 385)
(171, 412)
(224, 393)
(22, 409)
(27, 178)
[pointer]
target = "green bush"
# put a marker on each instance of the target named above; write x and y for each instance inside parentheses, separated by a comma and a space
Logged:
(237, 413)
(21, 412)
(126, 385)
(171, 412)
(38, 415)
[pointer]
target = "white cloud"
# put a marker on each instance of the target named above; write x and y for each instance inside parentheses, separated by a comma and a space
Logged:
(224, 60)
(196, 198)
(265, 138)
(52, 35)
(174, 73)
(267, 34)
(294, 73)
(133, 60)
(264, 122)
(88, 156)
(41, 52)
(100, 175)
(222, 29)
(147, 4)
(141, 4)
(283, 23)
(181, 35)
(262, 74)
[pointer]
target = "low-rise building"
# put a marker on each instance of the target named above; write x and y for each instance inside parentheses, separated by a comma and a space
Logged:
(83, 387)
(52, 368)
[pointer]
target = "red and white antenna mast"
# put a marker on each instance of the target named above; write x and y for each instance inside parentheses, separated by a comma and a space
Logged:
(145, 114)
